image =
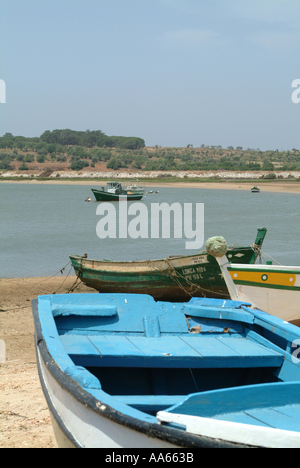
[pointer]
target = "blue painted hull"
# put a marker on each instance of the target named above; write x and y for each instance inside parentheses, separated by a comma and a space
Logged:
(120, 370)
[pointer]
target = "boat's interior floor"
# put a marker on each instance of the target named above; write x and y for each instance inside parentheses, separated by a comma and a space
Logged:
(155, 356)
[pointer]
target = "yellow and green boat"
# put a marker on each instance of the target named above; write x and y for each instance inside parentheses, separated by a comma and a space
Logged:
(275, 289)
(175, 278)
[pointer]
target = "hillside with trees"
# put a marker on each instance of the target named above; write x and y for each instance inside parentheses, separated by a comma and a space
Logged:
(93, 150)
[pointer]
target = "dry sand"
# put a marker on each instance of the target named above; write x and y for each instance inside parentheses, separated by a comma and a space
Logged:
(24, 415)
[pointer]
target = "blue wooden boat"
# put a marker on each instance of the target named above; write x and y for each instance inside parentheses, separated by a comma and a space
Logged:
(125, 371)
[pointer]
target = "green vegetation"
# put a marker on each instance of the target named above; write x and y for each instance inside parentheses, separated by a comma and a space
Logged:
(90, 139)
(69, 149)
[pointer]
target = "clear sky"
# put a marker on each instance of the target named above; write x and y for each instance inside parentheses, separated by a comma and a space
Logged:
(173, 72)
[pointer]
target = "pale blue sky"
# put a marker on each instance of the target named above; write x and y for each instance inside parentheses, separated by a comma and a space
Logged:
(174, 72)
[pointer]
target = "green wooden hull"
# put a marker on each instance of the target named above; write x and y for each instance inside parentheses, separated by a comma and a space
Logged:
(170, 279)
(102, 195)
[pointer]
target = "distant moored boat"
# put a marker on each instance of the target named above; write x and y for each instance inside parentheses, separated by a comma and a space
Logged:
(113, 191)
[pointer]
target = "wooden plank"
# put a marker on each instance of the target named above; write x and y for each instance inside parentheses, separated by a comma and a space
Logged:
(78, 345)
(219, 313)
(169, 351)
(88, 310)
(245, 347)
(218, 303)
(150, 402)
(229, 347)
(240, 418)
(99, 346)
(275, 419)
(209, 347)
(223, 402)
(111, 345)
(290, 410)
(166, 346)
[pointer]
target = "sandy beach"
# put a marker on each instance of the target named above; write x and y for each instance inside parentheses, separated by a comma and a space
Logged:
(280, 186)
(24, 415)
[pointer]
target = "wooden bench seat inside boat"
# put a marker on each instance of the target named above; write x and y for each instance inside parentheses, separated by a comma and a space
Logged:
(185, 351)
(151, 402)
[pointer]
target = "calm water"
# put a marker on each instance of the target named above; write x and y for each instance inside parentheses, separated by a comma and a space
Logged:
(41, 225)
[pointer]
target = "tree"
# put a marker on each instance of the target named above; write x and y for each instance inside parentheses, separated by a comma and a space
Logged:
(268, 166)
(114, 163)
(51, 148)
(23, 167)
(5, 164)
(48, 137)
(78, 165)
(28, 158)
(41, 158)
(270, 176)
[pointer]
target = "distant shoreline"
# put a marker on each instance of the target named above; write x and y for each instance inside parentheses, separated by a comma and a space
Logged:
(279, 186)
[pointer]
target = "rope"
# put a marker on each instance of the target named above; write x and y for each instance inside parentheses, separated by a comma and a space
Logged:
(75, 285)
(63, 280)
(257, 249)
(59, 271)
(42, 290)
(175, 275)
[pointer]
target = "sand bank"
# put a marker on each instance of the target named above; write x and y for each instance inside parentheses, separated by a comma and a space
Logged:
(24, 416)
(280, 186)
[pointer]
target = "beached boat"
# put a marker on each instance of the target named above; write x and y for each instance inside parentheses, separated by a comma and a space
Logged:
(171, 279)
(113, 191)
(255, 190)
(272, 288)
(124, 371)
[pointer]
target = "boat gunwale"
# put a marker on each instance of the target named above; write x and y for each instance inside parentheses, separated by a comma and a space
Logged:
(154, 430)
(171, 258)
(264, 268)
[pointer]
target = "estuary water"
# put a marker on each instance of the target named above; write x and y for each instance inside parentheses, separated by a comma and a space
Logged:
(41, 225)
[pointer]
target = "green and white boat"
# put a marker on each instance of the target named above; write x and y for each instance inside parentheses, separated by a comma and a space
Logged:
(175, 278)
(113, 191)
